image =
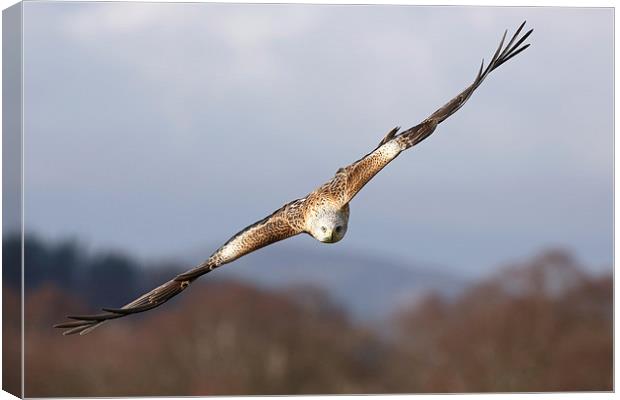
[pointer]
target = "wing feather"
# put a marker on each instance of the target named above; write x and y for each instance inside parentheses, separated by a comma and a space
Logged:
(360, 172)
(283, 223)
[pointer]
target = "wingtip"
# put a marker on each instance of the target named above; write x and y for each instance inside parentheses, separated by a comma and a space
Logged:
(520, 27)
(501, 44)
(72, 331)
(62, 325)
(82, 317)
(114, 310)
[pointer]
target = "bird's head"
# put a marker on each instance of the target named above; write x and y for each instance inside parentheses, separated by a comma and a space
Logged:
(330, 226)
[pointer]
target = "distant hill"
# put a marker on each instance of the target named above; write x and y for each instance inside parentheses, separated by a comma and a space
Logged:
(368, 286)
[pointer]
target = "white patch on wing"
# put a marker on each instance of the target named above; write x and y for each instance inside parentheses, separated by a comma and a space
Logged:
(390, 149)
(230, 250)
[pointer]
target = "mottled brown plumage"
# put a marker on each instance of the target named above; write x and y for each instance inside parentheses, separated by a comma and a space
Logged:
(324, 213)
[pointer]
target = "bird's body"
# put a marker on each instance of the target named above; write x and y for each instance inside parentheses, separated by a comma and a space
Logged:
(323, 213)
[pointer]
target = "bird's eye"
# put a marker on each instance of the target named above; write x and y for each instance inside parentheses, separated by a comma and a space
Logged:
(338, 229)
(324, 229)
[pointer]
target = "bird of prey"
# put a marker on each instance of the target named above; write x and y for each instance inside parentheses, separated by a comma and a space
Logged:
(324, 213)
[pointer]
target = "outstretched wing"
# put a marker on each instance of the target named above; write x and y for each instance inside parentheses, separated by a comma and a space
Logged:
(360, 172)
(282, 224)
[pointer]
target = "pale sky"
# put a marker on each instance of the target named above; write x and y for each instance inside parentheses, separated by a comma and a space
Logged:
(162, 128)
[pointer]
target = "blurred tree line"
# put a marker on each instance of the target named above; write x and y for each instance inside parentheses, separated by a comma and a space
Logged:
(542, 325)
(70, 267)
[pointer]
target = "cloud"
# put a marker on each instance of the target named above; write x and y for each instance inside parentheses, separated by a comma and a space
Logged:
(93, 20)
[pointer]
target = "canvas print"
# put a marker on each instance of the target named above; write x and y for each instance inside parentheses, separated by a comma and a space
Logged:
(277, 199)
